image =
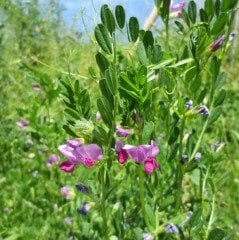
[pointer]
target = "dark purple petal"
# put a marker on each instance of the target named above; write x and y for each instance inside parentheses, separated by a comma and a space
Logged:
(67, 166)
(52, 160)
(82, 188)
(217, 44)
(122, 156)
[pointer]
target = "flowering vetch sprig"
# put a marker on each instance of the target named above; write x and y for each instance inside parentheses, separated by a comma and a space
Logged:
(140, 154)
(77, 153)
(217, 44)
(176, 10)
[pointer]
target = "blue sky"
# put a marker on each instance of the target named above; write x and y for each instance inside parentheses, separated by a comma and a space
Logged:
(85, 13)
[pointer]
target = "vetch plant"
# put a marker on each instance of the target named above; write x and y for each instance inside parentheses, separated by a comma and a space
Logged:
(166, 94)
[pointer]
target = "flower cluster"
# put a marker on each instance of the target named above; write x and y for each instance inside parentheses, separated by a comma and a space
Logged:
(140, 154)
(77, 153)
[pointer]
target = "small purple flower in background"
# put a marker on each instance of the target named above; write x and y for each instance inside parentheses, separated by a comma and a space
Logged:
(197, 157)
(123, 132)
(147, 236)
(36, 87)
(77, 153)
(171, 228)
(217, 44)
(188, 104)
(67, 192)
(82, 188)
(52, 160)
(29, 142)
(22, 123)
(176, 10)
(122, 154)
(203, 110)
(84, 209)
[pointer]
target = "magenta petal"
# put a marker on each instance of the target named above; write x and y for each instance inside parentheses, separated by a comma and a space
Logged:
(67, 166)
(89, 162)
(150, 165)
(122, 156)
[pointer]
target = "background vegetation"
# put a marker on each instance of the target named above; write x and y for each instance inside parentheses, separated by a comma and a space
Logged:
(36, 47)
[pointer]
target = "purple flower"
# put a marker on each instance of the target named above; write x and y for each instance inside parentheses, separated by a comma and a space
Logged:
(22, 123)
(176, 10)
(122, 154)
(36, 87)
(52, 160)
(217, 44)
(77, 153)
(203, 110)
(171, 228)
(84, 209)
(142, 152)
(123, 132)
(82, 188)
(197, 157)
(188, 104)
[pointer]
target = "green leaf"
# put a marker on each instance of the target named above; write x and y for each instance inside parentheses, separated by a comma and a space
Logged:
(107, 18)
(148, 39)
(174, 136)
(157, 54)
(215, 114)
(220, 98)
(190, 74)
(192, 11)
(217, 7)
(228, 5)
(105, 90)
(71, 114)
(180, 26)
(162, 64)
(209, 8)
(141, 53)
(182, 62)
(111, 80)
(147, 131)
(169, 200)
(220, 80)
(105, 109)
(133, 28)
(100, 135)
(150, 215)
(186, 17)
(203, 15)
(219, 24)
(68, 130)
(102, 62)
(120, 15)
(103, 38)
(216, 234)
(195, 218)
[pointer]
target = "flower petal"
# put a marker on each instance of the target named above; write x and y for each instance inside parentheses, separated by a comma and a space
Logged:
(67, 166)
(92, 150)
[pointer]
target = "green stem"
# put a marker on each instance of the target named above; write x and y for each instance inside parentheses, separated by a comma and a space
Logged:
(141, 194)
(103, 208)
(179, 176)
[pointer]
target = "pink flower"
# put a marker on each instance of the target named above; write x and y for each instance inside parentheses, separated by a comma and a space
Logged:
(142, 152)
(67, 192)
(176, 10)
(122, 154)
(36, 87)
(52, 160)
(22, 123)
(217, 44)
(123, 132)
(77, 153)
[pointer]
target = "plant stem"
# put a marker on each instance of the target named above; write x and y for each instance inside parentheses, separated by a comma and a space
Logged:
(141, 194)
(103, 209)
(179, 175)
